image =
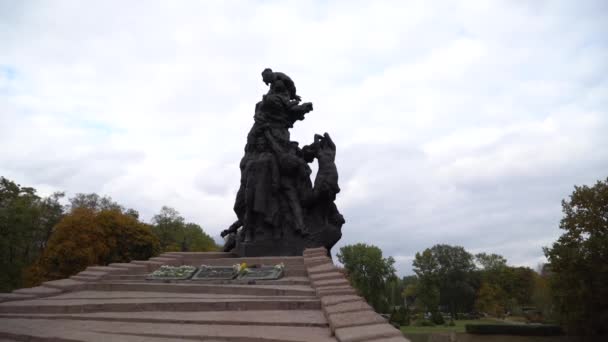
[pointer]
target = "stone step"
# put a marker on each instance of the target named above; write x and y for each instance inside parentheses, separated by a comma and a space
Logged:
(105, 269)
(100, 295)
(167, 260)
(92, 274)
(295, 318)
(158, 304)
(6, 297)
(150, 265)
(130, 268)
(38, 291)
(142, 279)
(84, 278)
(74, 330)
(199, 255)
(262, 290)
(65, 284)
(269, 261)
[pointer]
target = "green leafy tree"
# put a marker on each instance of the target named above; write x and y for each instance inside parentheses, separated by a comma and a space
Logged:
(491, 261)
(491, 299)
(369, 272)
(94, 202)
(541, 294)
(26, 222)
(450, 270)
(196, 240)
(394, 294)
(175, 234)
(410, 289)
(510, 287)
(579, 261)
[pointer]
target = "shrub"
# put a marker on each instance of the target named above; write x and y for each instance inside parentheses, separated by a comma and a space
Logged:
(437, 318)
(513, 329)
(405, 315)
(400, 317)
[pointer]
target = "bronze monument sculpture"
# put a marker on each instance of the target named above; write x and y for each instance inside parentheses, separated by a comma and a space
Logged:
(280, 210)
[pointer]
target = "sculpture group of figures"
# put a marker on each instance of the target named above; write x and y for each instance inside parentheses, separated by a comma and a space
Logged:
(280, 210)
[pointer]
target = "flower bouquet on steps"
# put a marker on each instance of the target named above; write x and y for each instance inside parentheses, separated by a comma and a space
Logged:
(167, 272)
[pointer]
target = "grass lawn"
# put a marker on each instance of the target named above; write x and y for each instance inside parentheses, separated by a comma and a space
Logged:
(459, 327)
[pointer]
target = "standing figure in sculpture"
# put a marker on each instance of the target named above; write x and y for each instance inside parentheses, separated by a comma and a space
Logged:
(261, 184)
(292, 169)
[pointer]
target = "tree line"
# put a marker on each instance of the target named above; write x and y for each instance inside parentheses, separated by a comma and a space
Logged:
(570, 289)
(42, 239)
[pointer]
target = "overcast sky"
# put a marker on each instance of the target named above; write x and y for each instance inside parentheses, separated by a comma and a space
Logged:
(463, 123)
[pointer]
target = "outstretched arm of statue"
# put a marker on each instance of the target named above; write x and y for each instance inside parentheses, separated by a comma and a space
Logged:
(233, 228)
(297, 112)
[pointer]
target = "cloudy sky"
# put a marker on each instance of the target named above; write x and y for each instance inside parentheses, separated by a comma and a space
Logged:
(456, 122)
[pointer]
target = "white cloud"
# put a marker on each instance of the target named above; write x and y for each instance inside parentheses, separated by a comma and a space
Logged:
(461, 123)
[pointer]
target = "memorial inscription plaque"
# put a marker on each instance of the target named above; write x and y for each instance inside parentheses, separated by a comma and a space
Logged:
(261, 273)
(215, 273)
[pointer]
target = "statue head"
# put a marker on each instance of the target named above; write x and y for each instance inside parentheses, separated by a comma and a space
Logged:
(267, 76)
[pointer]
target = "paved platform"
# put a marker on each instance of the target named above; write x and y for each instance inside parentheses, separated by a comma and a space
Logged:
(312, 302)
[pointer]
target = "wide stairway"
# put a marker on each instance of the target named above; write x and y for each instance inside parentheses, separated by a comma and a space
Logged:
(117, 303)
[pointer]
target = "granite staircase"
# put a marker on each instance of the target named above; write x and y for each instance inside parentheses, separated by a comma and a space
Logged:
(312, 302)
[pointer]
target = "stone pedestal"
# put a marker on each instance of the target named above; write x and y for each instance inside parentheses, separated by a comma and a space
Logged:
(270, 248)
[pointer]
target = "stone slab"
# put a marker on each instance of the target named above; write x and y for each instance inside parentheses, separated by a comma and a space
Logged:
(103, 295)
(38, 291)
(251, 261)
(358, 305)
(309, 251)
(300, 318)
(366, 332)
(5, 297)
(330, 282)
(336, 299)
(197, 287)
(314, 253)
(72, 330)
(107, 269)
(259, 248)
(84, 279)
(390, 339)
(326, 276)
(322, 268)
(354, 318)
(158, 304)
(127, 265)
(317, 261)
(150, 265)
(65, 284)
(335, 290)
(92, 274)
